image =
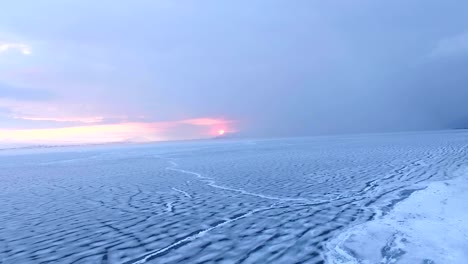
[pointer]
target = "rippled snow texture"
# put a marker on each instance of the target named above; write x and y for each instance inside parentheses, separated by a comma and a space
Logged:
(238, 201)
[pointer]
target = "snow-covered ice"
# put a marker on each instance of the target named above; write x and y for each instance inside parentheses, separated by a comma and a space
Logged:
(302, 200)
(431, 226)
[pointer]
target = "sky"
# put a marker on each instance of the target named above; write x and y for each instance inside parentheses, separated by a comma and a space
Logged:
(104, 71)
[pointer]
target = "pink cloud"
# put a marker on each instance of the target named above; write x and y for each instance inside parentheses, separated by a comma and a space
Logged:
(204, 121)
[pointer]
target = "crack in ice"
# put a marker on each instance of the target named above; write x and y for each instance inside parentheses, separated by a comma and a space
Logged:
(154, 253)
(182, 192)
(210, 182)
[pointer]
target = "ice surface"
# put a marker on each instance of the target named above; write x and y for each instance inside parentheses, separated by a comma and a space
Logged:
(431, 226)
(233, 201)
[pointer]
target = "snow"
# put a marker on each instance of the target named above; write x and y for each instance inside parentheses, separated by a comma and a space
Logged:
(291, 200)
(431, 226)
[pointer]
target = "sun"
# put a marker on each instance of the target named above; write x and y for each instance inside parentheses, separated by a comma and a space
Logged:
(221, 132)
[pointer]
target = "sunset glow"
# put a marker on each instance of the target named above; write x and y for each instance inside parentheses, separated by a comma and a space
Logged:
(82, 134)
(127, 131)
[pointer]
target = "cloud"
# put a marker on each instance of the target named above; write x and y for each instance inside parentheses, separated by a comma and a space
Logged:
(451, 46)
(22, 48)
(86, 120)
(101, 119)
(204, 121)
(295, 70)
(23, 94)
(5, 110)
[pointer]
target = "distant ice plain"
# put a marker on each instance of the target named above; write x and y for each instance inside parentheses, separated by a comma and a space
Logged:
(220, 201)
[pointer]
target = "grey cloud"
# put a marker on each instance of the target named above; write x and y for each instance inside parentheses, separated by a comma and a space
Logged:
(280, 68)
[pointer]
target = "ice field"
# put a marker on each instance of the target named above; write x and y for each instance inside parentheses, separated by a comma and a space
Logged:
(291, 200)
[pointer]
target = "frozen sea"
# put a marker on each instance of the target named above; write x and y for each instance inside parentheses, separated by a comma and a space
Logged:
(291, 200)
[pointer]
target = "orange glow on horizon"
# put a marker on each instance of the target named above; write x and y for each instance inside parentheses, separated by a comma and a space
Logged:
(84, 134)
(127, 131)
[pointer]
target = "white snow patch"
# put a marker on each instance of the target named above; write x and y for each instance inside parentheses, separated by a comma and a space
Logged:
(169, 207)
(431, 226)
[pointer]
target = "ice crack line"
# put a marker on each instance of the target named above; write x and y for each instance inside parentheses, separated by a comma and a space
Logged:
(210, 182)
(158, 252)
(182, 192)
(198, 175)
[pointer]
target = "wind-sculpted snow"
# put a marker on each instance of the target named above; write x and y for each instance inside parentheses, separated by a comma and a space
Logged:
(431, 226)
(236, 201)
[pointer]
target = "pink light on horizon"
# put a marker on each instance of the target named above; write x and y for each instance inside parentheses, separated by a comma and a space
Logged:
(81, 134)
(90, 132)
